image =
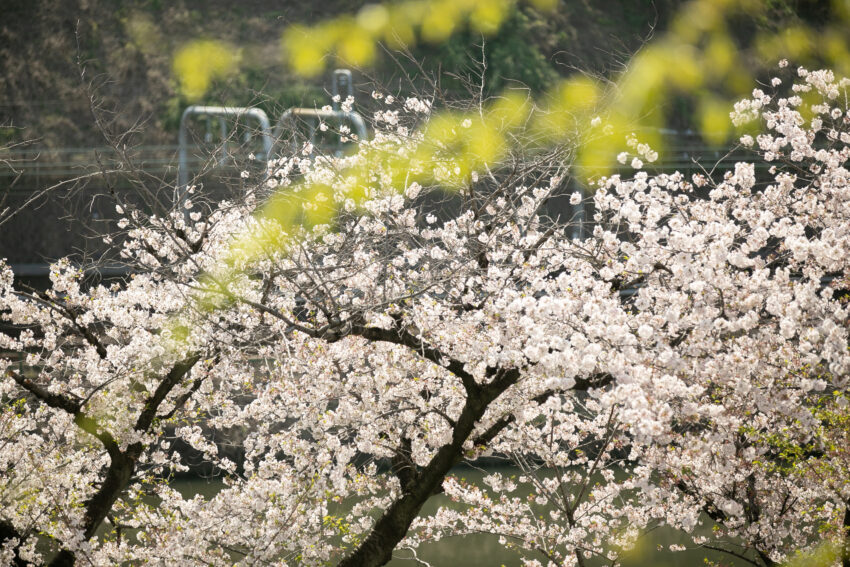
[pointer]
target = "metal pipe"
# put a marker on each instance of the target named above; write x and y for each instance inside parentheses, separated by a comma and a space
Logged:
(341, 81)
(223, 112)
(294, 113)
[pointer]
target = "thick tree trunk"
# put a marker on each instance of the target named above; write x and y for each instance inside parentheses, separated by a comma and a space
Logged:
(392, 526)
(390, 529)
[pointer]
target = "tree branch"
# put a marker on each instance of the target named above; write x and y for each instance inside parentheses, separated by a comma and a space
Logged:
(122, 464)
(57, 401)
(177, 372)
(400, 336)
(393, 525)
(8, 532)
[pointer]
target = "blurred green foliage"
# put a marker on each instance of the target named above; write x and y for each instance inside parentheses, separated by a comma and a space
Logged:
(129, 48)
(512, 57)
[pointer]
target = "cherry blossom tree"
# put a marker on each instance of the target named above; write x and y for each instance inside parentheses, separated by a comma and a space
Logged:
(361, 331)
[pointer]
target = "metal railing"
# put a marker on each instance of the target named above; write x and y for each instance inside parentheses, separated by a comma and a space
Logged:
(37, 163)
(223, 114)
(291, 117)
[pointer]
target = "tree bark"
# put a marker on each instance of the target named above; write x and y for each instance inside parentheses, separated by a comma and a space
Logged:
(122, 464)
(392, 526)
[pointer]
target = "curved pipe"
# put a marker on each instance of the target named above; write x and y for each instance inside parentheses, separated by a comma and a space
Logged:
(234, 112)
(292, 114)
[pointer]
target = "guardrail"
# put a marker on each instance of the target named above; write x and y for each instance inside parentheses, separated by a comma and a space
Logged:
(224, 114)
(26, 171)
(163, 159)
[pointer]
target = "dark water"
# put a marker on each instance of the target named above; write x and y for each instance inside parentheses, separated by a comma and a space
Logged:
(484, 550)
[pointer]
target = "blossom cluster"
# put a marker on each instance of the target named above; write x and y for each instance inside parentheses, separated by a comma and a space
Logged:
(359, 335)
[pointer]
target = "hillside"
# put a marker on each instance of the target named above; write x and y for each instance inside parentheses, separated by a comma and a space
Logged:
(55, 56)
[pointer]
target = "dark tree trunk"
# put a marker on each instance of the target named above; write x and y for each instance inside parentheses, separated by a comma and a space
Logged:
(392, 526)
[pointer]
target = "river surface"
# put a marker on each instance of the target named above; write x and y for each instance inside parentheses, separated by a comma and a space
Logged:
(483, 550)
